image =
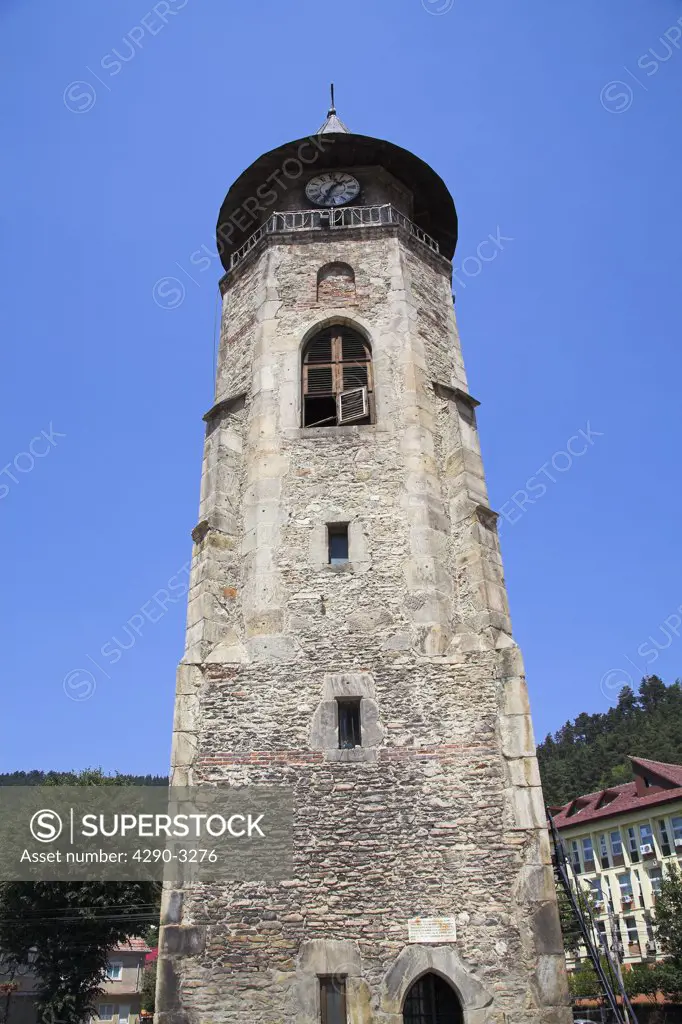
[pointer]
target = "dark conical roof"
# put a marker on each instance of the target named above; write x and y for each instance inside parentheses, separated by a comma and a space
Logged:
(433, 210)
(333, 123)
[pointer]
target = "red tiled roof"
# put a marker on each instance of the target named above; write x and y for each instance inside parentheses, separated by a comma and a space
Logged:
(622, 799)
(132, 945)
(670, 772)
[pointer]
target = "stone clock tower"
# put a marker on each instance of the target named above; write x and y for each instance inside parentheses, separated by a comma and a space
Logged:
(348, 632)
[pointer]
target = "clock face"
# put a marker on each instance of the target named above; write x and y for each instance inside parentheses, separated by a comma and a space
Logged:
(333, 188)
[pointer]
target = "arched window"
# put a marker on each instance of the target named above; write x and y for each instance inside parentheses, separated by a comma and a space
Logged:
(337, 379)
(335, 283)
(432, 1001)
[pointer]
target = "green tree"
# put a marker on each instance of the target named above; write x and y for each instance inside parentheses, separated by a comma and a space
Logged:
(669, 976)
(570, 929)
(641, 980)
(150, 934)
(669, 915)
(67, 929)
(582, 982)
(587, 754)
(652, 692)
(149, 988)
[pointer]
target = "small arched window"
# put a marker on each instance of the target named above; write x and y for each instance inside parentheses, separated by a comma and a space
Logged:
(337, 379)
(335, 283)
(432, 1001)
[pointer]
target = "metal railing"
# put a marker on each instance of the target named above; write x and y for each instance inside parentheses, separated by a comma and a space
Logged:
(343, 217)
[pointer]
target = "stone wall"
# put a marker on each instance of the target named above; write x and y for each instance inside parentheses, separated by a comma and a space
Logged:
(439, 812)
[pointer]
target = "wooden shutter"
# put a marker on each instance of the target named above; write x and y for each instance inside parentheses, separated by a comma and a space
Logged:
(352, 405)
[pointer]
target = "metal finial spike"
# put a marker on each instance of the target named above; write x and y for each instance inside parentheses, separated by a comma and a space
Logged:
(333, 124)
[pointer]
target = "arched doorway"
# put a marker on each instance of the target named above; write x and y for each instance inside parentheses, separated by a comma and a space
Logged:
(432, 1001)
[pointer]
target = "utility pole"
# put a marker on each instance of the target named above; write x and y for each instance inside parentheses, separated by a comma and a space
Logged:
(616, 949)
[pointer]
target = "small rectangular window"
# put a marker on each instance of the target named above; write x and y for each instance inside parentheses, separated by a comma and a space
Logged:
(349, 723)
(646, 838)
(632, 846)
(333, 1000)
(337, 541)
(595, 886)
(604, 852)
(665, 841)
(625, 883)
(588, 854)
(114, 971)
(677, 831)
(601, 934)
(105, 1011)
(616, 845)
(655, 877)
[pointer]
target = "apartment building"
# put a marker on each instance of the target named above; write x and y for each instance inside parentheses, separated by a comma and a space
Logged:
(619, 841)
(122, 990)
(119, 1003)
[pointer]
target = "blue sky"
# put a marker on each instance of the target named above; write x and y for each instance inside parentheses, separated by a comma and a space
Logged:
(555, 126)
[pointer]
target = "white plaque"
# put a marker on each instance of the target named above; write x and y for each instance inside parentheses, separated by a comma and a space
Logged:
(432, 929)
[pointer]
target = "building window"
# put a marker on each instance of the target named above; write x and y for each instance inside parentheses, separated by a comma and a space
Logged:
(597, 895)
(664, 838)
(349, 722)
(607, 890)
(625, 883)
(337, 379)
(677, 831)
(632, 845)
(601, 934)
(655, 877)
(575, 856)
(105, 1011)
(588, 854)
(646, 840)
(604, 851)
(114, 971)
(650, 936)
(123, 1014)
(337, 543)
(631, 926)
(333, 1000)
(616, 846)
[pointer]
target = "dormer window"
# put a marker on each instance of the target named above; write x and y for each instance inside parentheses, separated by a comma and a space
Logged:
(337, 379)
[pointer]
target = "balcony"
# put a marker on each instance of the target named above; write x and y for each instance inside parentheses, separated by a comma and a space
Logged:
(331, 220)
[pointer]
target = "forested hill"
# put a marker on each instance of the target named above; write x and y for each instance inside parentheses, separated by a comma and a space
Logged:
(94, 776)
(591, 752)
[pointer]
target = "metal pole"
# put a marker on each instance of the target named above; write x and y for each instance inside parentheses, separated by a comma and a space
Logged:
(624, 1014)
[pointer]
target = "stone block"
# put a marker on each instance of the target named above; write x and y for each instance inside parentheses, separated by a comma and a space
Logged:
(516, 732)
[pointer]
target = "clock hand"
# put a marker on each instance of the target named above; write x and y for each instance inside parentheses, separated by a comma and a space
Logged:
(328, 192)
(335, 187)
